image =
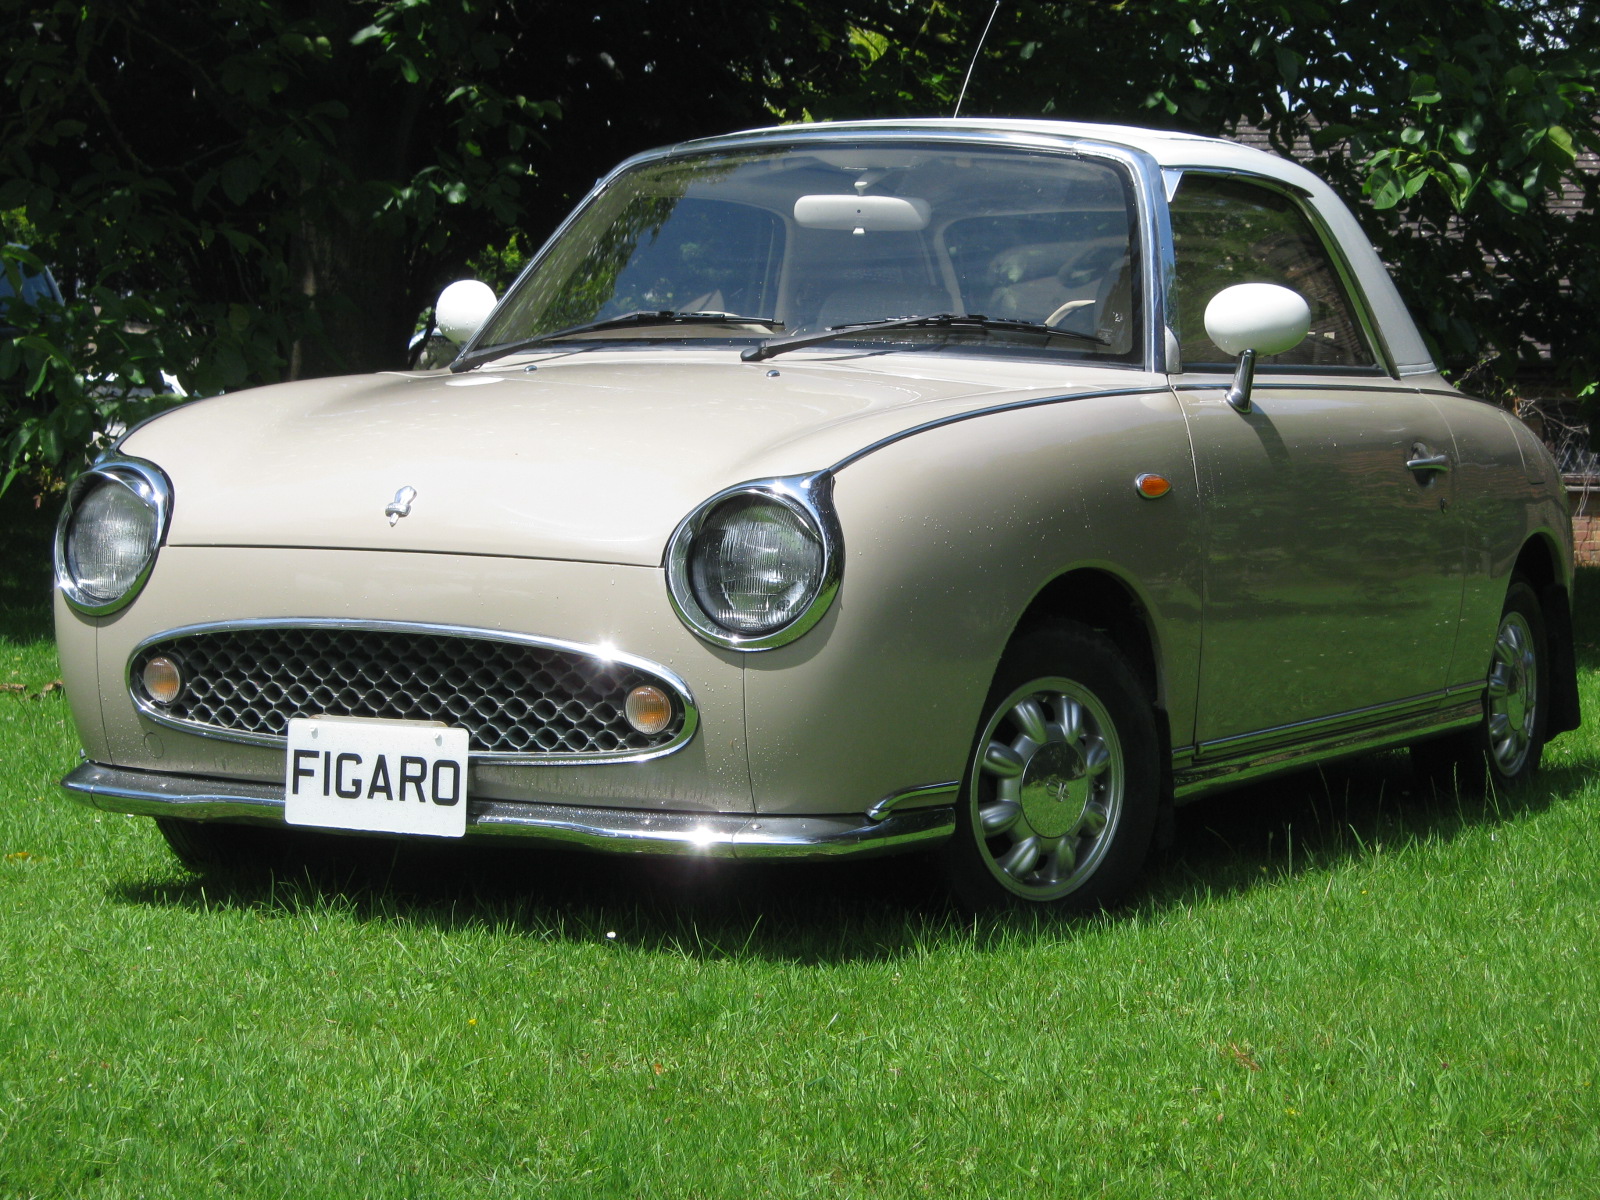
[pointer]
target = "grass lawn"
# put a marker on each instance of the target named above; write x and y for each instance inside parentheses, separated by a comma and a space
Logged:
(1330, 986)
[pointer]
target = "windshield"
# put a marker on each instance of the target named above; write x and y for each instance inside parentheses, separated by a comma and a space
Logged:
(806, 239)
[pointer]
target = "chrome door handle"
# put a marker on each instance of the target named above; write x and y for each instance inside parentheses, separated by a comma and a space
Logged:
(1423, 459)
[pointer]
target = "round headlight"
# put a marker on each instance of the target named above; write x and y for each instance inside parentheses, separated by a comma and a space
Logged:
(757, 565)
(108, 534)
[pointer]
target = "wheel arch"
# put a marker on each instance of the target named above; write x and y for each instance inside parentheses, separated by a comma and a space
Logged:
(1540, 562)
(1106, 602)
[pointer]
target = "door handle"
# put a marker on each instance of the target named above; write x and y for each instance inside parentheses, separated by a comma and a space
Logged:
(1424, 459)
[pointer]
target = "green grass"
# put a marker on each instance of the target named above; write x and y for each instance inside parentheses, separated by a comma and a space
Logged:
(1330, 986)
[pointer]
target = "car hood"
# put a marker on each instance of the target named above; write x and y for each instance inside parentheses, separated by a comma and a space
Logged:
(594, 457)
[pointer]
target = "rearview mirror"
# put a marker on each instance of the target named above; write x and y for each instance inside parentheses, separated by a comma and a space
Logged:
(462, 309)
(862, 214)
(1251, 319)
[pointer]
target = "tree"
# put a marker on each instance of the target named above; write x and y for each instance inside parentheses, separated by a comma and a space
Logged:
(242, 191)
(278, 189)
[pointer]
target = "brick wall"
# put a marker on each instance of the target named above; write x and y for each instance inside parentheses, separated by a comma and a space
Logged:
(1585, 504)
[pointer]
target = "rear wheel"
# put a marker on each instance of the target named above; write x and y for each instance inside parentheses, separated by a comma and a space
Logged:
(1507, 744)
(1059, 800)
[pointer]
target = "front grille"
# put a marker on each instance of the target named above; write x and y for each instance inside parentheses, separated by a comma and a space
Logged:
(515, 698)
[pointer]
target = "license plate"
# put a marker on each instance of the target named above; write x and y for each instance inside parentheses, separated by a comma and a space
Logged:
(381, 776)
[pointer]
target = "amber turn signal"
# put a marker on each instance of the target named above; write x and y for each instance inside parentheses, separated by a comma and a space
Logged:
(1153, 487)
(163, 681)
(648, 709)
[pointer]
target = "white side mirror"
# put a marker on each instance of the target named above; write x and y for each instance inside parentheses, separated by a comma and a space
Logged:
(1251, 319)
(1262, 317)
(462, 308)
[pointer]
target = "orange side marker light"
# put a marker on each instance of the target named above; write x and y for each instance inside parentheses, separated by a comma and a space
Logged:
(1152, 487)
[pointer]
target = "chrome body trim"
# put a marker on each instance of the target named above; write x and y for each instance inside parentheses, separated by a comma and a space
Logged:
(973, 414)
(1213, 766)
(1307, 379)
(914, 797)
(146, 481)
(701, 835)
(680, 689)
(808, 496)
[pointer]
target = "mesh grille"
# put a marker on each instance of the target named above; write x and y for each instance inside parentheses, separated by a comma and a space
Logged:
(510, 697)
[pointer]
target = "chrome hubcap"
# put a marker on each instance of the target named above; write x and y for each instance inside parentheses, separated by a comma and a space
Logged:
(1048, 788)
(1512, 694)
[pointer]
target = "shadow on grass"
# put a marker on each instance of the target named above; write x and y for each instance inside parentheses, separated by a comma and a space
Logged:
(27, 525)
(798, 912)
(1319, 820)
(849, 912)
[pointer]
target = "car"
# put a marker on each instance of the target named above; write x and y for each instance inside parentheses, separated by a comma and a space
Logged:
(24, 281)
(980, 489)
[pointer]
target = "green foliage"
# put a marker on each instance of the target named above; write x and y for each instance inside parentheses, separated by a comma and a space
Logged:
(281, 190)
(71, 373)
(241, 191)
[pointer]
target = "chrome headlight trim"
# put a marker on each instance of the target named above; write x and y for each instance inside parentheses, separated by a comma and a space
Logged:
(149, 484)
(809, 497)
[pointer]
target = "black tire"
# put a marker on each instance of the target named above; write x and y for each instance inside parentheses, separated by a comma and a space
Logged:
(1504, 747)
(207, 846)
(1061, 790)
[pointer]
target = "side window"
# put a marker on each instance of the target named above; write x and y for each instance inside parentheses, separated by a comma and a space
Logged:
(1227, 232)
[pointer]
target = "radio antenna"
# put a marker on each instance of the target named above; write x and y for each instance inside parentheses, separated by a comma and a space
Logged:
(985, 37)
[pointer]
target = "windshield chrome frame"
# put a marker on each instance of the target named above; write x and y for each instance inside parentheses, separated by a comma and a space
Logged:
(1156, 256)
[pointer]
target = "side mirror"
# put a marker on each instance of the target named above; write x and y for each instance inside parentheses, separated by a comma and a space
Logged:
(462, 308)
(1251, 319)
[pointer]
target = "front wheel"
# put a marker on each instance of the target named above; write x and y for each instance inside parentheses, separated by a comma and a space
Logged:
(1059, 799)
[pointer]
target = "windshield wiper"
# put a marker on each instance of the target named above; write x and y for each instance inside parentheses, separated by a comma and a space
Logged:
(974, 322)
(641, 317)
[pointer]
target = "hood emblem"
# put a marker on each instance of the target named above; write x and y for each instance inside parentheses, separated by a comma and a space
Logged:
(400, 506)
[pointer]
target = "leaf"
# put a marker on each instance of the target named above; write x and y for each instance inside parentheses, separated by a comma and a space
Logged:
(1559, 140)
(1464, 139)
(1509, 197)
(1386, 187)
(239, 177)
(1425, 90)
(49, 443)
(1411, 135)
(1290, 65)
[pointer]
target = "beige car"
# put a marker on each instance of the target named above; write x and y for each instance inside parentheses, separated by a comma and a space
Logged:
(968, 487)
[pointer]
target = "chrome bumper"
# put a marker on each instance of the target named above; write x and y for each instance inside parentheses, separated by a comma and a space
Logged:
(709, 835)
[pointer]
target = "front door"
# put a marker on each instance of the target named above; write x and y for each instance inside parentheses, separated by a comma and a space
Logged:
(1333, 574)
(1334, 570)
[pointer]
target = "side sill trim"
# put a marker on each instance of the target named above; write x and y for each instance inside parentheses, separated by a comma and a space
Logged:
(704, 835)
(1191, 780)
(1429, 704)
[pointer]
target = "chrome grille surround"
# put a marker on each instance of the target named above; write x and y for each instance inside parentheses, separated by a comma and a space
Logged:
(522, 698)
